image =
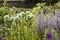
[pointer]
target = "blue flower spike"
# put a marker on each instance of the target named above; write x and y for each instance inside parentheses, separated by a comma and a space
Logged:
(49, 36)
(0, 38)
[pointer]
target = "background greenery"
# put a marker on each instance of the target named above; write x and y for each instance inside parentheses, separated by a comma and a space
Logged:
(24, 29)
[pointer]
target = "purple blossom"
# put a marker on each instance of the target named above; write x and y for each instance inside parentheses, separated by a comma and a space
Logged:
(0, 38)
(49, 36)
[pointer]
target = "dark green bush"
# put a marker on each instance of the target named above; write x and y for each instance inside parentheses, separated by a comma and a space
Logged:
(3, 11)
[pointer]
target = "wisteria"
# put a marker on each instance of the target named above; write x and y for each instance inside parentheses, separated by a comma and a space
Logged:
(52, 21)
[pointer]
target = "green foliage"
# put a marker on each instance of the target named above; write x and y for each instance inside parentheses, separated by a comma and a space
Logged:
(57, 5)
(3, 11)
(1, 19)
(36, 8)
(22, 28)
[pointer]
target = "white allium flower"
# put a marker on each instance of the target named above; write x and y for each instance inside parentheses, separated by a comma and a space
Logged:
(11, 18)
(13, 23)
(27, 12)
(6, 20)
(14, 19)
(17, 18)
(6, 17)
(22, 12)
(19, 15)
(27, 17)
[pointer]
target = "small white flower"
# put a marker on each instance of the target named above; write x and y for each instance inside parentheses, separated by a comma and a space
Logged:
(19, 15)
(13, 23)
(16, 19)
(27, 12)
(11, 18)
(6, 17)
(22, 12)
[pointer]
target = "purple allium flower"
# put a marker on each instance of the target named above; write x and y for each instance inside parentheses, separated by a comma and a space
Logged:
(49, 36)
(0, 38)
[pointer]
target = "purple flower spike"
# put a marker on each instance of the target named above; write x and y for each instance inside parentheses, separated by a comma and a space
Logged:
(0, 38)
(49, 36)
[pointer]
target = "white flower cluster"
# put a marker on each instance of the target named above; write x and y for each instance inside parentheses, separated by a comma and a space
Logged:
(16, 18)
(8, 19)
(29, 14)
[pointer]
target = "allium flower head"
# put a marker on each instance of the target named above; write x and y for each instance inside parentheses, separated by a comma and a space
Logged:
(6, 18)
(13, 24)
(27, 12)
(11, 18)
(49, 36)
(22, 12)
(0, 38)
(19, 15)
(17, 18)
